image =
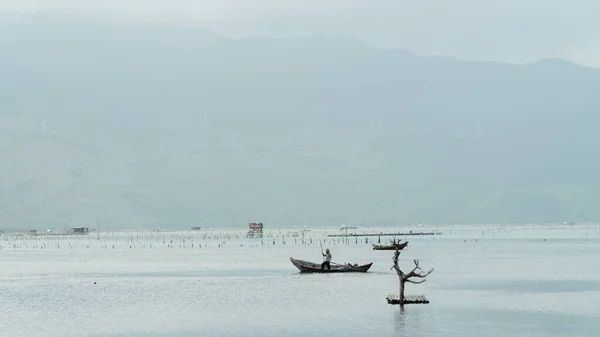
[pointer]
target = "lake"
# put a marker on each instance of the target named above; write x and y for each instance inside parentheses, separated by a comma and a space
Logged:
(488, 281)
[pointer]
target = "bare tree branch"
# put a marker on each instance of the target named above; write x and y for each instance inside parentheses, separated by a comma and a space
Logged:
(422, 274)
(416, 281)
(395, 266)
(413, 272)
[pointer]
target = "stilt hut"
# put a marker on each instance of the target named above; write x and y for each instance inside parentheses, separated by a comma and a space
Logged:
(255, 230)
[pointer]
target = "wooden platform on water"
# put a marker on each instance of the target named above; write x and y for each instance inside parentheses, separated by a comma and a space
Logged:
(408, 299)
(383, 234)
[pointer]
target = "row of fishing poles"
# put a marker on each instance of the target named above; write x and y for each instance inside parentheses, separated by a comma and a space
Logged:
(131, 243)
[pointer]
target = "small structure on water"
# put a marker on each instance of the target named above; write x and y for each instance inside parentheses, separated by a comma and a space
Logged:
(80, 230)
(255, 230)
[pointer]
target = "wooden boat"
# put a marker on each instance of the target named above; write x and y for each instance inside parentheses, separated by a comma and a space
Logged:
(310, 267)
(391, 246)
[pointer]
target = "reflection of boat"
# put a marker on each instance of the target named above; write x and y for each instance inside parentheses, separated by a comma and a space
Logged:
(310, 267)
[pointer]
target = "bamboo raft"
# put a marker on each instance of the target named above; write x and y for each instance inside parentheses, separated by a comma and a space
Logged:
(408, 299)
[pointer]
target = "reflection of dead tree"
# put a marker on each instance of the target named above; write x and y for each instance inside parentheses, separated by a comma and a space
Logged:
(417, 275)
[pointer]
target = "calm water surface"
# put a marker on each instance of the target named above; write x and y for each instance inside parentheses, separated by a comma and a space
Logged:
(521, 281)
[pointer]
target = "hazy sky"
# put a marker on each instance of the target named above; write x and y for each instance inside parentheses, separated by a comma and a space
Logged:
(508, 30)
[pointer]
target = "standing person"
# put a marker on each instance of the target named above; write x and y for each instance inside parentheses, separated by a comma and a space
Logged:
(327, 261)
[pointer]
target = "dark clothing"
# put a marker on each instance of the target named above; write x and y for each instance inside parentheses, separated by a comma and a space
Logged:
(325, 263)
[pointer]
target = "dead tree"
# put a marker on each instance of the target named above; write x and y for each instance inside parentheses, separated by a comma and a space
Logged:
(416, 276)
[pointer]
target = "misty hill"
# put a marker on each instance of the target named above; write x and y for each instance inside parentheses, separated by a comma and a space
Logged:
(170, 127)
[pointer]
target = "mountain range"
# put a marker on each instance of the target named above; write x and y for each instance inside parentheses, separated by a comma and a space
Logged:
(153, 126)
